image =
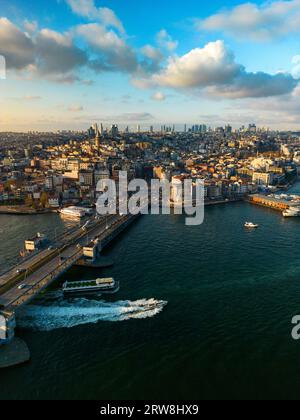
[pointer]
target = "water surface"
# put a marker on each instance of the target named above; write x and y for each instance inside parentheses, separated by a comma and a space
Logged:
(225, 333)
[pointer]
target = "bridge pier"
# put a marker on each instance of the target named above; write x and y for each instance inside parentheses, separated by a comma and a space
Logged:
(14, 353)
(7, 326)
(13, 350)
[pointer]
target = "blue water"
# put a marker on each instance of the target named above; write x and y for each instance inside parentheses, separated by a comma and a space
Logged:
(225, 332)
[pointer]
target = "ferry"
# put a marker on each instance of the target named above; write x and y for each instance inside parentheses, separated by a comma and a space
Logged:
(250, 225)
(73, 212)
(291, 212)
(98, 286)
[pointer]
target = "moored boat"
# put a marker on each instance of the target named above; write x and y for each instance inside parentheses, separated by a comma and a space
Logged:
(72, 212)
(291, 212)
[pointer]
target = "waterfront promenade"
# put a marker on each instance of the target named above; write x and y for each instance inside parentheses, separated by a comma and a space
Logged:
(24, 210)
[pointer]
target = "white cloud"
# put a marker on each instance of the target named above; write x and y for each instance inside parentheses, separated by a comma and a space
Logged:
(165, 40)
(158, 96)
(256, 85)
(82, 7)
(99, 37)
(30, 27)
(57, 54)
(88, 9)
(201, 67)
(152, 59)
(114, 53)
(46, 53)
(16, 46)
(272, 19)
(153, 53)
(214, 70)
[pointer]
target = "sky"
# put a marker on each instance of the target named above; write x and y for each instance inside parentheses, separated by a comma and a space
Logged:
(71, 63)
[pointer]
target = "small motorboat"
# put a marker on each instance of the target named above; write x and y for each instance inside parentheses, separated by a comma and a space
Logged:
(250, 225)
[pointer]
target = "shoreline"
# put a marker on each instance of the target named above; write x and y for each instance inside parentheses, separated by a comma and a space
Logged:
(26, 211)
(23, 211)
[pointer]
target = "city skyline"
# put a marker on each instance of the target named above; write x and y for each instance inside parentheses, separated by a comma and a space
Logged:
(227, 62)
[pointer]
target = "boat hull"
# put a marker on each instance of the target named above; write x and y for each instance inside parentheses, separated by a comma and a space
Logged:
(92, 291)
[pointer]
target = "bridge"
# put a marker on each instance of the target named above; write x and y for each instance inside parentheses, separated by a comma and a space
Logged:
(21, 284)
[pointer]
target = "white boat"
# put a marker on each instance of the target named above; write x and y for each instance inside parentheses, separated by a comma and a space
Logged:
(292, 212)
(73, 212)
(84, 287)
(250, 225)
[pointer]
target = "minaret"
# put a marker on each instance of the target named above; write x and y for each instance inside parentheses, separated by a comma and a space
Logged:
(97, 141)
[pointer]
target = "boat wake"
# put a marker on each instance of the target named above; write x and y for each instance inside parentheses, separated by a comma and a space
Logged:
(69, 314)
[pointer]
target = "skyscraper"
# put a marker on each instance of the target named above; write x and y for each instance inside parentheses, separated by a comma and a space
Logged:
(95, 128)
(101, 129)
(114, 130)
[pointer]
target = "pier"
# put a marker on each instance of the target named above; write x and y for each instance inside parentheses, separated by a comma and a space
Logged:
(279, 204)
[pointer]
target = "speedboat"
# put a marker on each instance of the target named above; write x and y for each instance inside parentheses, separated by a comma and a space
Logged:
(250, 225)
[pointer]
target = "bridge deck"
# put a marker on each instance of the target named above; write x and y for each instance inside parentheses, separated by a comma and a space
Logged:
(60, 261)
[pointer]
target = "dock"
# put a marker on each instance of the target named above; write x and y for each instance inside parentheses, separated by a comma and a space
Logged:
(279, 204)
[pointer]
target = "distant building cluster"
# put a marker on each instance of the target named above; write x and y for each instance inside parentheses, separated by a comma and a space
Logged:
(50, 170)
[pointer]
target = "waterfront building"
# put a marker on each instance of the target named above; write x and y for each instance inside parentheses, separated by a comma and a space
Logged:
(263, 178)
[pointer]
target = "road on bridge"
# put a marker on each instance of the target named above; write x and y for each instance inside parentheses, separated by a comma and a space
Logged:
(62, 260)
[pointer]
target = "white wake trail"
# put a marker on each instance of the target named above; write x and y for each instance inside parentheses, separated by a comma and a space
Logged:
(69, 314)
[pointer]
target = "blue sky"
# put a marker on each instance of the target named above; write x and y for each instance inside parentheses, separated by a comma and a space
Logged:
(73, 62)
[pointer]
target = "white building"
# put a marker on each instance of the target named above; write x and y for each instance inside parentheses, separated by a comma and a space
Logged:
(263, 178)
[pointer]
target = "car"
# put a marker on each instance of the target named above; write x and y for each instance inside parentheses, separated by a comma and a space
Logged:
(22, 286)
(50, 248)
(21, 270)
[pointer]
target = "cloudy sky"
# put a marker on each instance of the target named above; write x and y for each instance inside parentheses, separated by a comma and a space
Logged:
(70, 63)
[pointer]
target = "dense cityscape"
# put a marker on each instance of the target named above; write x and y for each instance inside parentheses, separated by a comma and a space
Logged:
(45, 171)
